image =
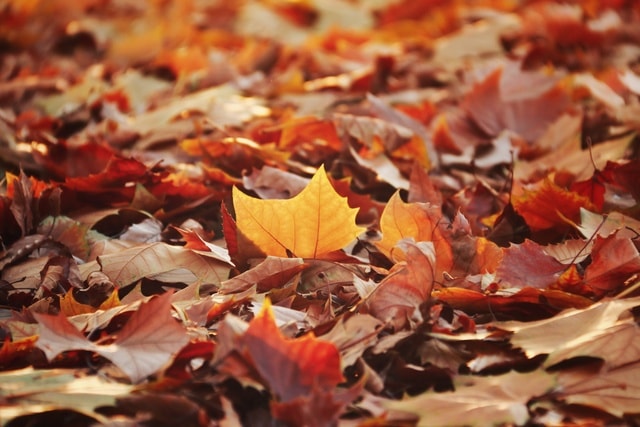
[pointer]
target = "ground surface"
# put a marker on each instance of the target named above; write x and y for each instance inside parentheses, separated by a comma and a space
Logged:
(355, 213)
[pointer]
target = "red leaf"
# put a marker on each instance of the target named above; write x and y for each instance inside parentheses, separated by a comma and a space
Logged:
(290, 367)
(528, 265)
(526, 109)
(614, 260)
(319, 409)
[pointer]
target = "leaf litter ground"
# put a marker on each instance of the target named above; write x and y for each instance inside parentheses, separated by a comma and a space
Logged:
(319, 213)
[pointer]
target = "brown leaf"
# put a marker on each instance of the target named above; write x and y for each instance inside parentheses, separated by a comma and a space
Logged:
(144, 345)
(568, 328)
(22, 203)
(163, 262)
(397, 298)
(614, 390)
(479, 401)
(271, 273)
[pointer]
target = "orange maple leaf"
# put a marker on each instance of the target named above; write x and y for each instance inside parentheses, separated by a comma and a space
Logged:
(419, 221)
(549, 206)
(314, 222)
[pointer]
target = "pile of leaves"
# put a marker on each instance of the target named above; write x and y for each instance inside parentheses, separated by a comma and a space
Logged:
(279, 212)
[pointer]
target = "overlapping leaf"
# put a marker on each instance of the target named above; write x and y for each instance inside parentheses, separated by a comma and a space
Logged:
(145, 344)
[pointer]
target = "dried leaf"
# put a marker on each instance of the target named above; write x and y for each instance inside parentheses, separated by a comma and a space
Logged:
(567, 328)
(613, 261)
(290, 367)
(397, 298)
(315, 222)
(479, 401)
(144, 345)
(614, 390)
(160, 261)
(548, 206)
(54, 389)
(528, 264)
(419, 221)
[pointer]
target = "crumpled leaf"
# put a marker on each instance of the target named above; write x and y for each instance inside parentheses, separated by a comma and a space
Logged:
(479, 401)
(271, 273)
(397, 298)
(21, 205)
(291, 368)
(353, 335)
(315, 222)
(547, 206)
(144, 345)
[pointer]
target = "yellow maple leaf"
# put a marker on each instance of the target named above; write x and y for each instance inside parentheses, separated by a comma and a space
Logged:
(316, 221)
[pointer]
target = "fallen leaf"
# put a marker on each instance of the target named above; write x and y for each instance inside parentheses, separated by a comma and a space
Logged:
(144, 345)
(547, 206)
(352, 336)
(479, 401)
(419, 221)
(12, 350)
(527, 109)
(397, 299)
(315, 222)
(69, 306)
(617, 345)
(614, 390)
(593, 224)
(54, 389)
(271, 273)
(567, 328)
(291, 368)
(527, 264)
(160, 261)
(613, 261)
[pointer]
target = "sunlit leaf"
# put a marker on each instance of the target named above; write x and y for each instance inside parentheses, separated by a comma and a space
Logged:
(567, 328)
(614, 390)
(55, 389)
(313, 223)
(419, 221)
